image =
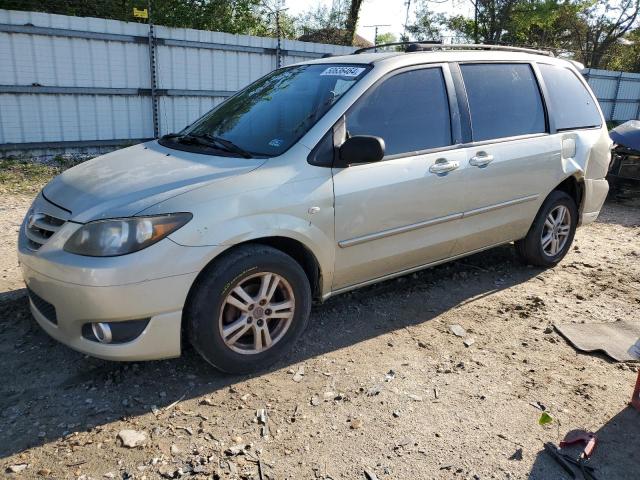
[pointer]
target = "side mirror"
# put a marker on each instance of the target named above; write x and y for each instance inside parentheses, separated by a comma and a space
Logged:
(360, 149)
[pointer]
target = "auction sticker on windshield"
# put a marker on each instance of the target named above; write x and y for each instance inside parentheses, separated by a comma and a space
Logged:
(343, 71)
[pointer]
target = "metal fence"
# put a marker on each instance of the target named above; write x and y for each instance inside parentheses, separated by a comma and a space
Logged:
(69, 83)
(618, 93)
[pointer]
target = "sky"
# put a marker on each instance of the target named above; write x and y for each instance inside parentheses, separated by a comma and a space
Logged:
(385, 12)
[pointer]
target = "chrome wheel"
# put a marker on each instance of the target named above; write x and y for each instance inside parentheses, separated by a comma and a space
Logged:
(556, 230)
(257, 313)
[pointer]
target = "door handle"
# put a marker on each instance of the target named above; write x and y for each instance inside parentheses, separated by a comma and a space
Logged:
(443, 165)
(481, 160)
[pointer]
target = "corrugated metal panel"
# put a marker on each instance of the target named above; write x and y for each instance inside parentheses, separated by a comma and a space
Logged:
(618, 93)
(46, 59)
(625, 111)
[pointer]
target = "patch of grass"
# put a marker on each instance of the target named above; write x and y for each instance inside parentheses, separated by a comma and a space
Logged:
(25, 177)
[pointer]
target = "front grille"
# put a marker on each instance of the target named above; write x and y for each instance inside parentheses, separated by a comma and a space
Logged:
(39, 227)
(44, 307)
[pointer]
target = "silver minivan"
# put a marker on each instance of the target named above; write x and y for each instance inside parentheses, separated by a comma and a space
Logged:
(316, 179)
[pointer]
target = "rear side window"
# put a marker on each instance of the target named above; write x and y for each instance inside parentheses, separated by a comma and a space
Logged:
(571, 104)
(504, 100)
(409, 111)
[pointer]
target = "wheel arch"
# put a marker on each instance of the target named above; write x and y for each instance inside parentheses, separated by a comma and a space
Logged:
(297, 250)
(574, 187)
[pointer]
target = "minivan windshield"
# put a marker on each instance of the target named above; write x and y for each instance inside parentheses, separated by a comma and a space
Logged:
(270, 115)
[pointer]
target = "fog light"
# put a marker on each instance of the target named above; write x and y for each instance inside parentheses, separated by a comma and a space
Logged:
(114, 332)
(102, 332)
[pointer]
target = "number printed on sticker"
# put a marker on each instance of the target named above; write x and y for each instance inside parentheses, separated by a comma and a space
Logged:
(343, 71)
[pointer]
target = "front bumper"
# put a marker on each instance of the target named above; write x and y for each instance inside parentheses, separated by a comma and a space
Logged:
(150, 284)
(160, 300)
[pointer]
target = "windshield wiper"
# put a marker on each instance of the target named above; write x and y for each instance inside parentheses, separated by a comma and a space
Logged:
(170, 135)
(208, 141)
(228, 144)
(214, 142)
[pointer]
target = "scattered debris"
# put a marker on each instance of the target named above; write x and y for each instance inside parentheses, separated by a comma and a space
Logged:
(469, 341)
(356, 423)
(297, 377)
(545, 418)
(261, 415)
(171, 405)
(538, 405)
(373, 391)
(235, 450)
(17, 468)
(457, 330)
(415, 398)
(132, 438)
(517, 455)
(369, 475)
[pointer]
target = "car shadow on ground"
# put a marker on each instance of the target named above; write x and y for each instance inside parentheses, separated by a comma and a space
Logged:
(616, 450)
(48, 390)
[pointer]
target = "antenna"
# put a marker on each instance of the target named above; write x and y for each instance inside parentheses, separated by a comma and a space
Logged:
(375, 32)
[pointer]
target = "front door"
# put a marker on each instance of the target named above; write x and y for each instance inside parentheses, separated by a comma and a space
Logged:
(403, 211)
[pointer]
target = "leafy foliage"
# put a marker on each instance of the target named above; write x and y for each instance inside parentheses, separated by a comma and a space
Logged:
(232, 16)
(588, 30)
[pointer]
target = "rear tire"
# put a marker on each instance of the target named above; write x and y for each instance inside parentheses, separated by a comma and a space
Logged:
(248, 309)
(551, 233)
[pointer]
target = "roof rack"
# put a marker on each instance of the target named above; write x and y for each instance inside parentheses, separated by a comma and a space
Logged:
(397, 44)
(439, 46)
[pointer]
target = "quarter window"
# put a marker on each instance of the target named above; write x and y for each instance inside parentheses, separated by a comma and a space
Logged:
(571, 103)
(409, 111)
(504, 100)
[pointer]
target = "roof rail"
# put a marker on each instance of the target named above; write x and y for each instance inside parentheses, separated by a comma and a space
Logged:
(397, 44)
(439, 46)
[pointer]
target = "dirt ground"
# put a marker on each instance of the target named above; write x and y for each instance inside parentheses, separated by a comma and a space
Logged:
(378, 387)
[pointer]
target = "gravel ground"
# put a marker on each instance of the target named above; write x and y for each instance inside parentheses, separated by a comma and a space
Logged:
(379, 386)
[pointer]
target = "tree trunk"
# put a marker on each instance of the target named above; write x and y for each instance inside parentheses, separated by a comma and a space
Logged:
(352, 21)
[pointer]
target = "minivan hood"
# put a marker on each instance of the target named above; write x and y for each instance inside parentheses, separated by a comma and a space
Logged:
(127, 181)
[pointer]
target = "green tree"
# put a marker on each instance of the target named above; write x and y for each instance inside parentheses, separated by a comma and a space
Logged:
(428, 26)
(232, 16)
(625, 55)
(588, 30)
(335, 24)
(386, 37)
(598, 29)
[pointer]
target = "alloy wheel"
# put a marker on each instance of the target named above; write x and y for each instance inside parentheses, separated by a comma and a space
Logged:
(257, 313)
(556, 230)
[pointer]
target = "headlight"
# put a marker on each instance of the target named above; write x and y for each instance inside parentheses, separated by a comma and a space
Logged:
(119, 236)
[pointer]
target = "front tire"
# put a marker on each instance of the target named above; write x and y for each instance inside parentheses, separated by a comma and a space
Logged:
(551, 233)
(248, 308)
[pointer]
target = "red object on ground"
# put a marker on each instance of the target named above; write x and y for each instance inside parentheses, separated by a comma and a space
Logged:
(635, 399)
(581, 436)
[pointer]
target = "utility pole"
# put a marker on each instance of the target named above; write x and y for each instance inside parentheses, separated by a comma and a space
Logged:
(475, 22)
(153, 73)
(276, 11)
(406, 21)
(375, 32)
